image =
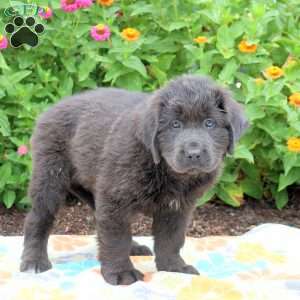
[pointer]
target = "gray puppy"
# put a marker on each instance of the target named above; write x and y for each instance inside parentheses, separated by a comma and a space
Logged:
(126, 153)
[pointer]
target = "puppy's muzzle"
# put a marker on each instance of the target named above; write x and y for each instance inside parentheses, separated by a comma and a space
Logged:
(195, 154)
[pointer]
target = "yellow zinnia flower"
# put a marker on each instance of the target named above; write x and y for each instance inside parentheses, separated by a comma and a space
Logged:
(293, 144)
(273, 72)
(105, 2)
(130, 34)
(201, 39)
(294, 99)
(245, 47)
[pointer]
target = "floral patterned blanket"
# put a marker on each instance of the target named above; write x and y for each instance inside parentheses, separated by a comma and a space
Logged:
(262, 264)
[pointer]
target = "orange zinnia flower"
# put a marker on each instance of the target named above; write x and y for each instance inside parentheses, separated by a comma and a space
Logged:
(293, 144)
(105, 2)
(273, 72)
(201, 39)
(245, 47)
(294, 99)
(130, 34)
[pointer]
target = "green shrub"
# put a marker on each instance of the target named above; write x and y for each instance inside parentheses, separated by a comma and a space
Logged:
(68, 60)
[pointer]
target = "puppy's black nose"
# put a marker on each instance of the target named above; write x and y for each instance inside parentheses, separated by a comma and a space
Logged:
(194, 151)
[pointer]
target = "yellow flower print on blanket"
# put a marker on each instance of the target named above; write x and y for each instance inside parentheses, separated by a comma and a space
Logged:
(251, 252)
(209, 289)
(42, 293)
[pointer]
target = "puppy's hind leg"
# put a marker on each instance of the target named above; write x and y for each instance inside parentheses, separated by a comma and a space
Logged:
(48, 188)
(139, 250)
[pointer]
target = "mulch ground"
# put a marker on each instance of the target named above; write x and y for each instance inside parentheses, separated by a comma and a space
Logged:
(214, 218)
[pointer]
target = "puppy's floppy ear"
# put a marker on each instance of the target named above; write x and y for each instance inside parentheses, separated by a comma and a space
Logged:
(238, 122)
(149, 123)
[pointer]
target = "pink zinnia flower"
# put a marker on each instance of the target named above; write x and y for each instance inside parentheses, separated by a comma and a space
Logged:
(46, 13)
(84, 3)
(100, 32)
(3, 42)
(22, 150)
(68, 5)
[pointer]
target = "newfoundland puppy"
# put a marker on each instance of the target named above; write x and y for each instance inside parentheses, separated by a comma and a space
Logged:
(128, 153)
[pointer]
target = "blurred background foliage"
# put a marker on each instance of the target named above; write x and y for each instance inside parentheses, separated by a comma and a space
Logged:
(234, 42)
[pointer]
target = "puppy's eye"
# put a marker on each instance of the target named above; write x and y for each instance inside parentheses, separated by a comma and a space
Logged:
(210, 123)
(176, 124)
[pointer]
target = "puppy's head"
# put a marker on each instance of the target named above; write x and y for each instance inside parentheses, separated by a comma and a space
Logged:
(192, 123)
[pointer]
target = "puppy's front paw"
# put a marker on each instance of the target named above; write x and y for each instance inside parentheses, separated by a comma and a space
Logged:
(189, 269)
(35, 265)
(175, 264)
(123, 277)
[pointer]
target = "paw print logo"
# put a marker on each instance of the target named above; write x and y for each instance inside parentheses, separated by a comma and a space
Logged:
(24, 31)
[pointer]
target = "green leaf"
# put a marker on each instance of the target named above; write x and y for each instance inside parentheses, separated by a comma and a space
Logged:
(9, 198)
(18, 76)
(290, 160)
(70, 64)
(278, 132)
(252, 187)
(213, 14)
(236, 29)
(2, 94)
(86, 67)
(227, 73)
(3, 64)
(82, 29)
(158, 74)
(281, 198)
(224, 38)
(163, 46)
(173, 26)
(165, 61)
(24, 203)
(225, 42)
(88, 83)
(115, 71)
(286, 180)
(133, 62)
(250, 169)
(5, 173)
(206, 197)
(231, 194)
(254, 111)
(4, 124)
(206, 61)
(243, 153)
(142, 9)
(66, 86)
(258, 9)
(272, 88)
(229, 175)
(130, 81)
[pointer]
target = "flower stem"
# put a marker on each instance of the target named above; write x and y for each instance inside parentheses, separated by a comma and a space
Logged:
(175, 9)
